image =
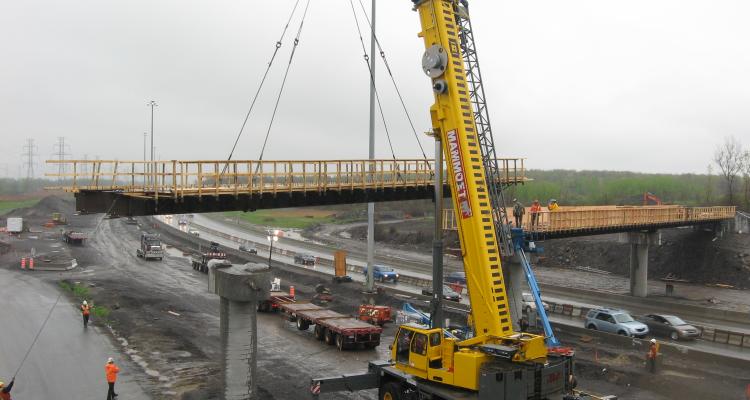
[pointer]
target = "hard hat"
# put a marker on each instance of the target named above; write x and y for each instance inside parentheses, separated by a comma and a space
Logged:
(110, 360)
(653, 340)
(85, 303)
(514, 199)
(553, 200)
(2, 384)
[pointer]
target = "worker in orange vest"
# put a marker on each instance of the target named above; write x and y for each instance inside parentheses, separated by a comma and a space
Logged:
(86, 312)
(535, 209)
(5, 391)
(111, 371)
(653, 352)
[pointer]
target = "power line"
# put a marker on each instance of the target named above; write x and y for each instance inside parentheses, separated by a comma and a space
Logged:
(29, 152)
(61, 152)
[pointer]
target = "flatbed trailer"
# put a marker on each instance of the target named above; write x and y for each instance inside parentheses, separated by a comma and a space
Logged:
(344, 331)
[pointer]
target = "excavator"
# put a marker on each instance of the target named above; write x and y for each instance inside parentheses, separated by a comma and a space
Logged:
(498, 362)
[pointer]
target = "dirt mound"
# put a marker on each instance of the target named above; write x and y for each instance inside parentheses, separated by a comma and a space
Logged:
(45, 207)
(694, 255)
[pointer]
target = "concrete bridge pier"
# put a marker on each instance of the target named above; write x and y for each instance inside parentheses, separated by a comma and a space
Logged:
(639, 244)
(240, 288)
(515, 285)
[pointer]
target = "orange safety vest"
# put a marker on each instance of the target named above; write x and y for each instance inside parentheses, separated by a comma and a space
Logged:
(86, 310)
(111, 370)
(535, 208)
(652, 351)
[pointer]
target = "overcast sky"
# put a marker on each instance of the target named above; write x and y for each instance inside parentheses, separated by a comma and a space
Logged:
(647, 86)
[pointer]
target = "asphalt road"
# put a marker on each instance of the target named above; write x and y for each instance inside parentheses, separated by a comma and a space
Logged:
(67, 362)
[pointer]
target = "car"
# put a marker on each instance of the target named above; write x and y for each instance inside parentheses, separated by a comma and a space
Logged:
(304, 259)
(382, 273)
(194, 232)
(448, 293)
(456, 277)
(248, 249)
(616, 321)
(671, 326)
(529, 304)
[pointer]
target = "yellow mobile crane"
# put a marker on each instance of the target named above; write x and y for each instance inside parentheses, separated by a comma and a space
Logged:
(497, 362)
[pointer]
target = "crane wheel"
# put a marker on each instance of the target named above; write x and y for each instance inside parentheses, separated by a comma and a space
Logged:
(390, 391)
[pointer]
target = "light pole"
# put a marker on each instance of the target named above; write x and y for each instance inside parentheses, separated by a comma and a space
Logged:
(369, 280)
(152, 104)
(273, 236)
(145, 166)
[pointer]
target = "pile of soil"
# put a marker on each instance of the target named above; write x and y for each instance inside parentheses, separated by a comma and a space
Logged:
(685, 253)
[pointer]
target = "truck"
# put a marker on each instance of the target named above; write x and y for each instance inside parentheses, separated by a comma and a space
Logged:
(74, 237)
(343, 331)
(14, 225)
(200, 261)
(150, 248)
(497, 362)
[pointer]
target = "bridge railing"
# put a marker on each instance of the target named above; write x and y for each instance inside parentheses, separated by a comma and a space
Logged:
(603, 217)
(213, 177)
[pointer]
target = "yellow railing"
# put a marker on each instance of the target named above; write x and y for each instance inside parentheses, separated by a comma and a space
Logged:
(212, 177)
(603, 217)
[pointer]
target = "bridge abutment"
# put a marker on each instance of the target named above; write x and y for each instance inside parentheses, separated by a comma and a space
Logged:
(639, 246)
(240, 288)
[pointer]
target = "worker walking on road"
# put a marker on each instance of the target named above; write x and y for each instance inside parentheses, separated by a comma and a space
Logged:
(111, 371)
(653, 352)
(518, 211)
(535, 209)
(5, 391)
(86, 312)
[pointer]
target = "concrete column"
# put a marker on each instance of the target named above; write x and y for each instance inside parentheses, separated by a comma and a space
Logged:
(639, 245)
(515, 285)
(240, 287)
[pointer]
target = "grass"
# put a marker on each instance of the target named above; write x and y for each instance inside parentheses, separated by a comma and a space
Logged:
(293, 218)
(7, 205)
(81, 293)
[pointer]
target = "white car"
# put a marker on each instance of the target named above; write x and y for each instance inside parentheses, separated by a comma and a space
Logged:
(529, 303)
(194, 232)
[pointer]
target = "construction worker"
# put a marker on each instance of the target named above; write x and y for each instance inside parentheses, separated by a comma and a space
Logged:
(524, 324)
(552, 206)
(653, 352)
(86, 312)
(535, 209)
(5, 391)
(111, 371)
(518, 211)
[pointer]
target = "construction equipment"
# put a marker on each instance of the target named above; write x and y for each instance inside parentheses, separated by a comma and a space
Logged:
(497, 362)
(650, 197)
(339, 267)
(150, 248)
(59, 219)
(200, 262)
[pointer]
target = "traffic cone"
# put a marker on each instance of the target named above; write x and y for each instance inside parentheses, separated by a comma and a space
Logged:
(291, 291)
(23, 263)
(31, 264)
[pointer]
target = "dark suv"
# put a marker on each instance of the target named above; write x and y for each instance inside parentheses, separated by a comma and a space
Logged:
(615, 321)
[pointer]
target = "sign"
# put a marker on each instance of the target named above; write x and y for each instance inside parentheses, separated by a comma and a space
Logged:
(459, 175)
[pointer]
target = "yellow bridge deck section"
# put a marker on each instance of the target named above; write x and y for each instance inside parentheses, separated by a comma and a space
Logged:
(176, 179)
(573, 221)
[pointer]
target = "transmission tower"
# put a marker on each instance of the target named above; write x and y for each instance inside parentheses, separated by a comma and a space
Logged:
(61, 152)
(29, 152)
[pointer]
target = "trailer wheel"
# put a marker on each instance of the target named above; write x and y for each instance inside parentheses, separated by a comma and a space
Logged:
(330, 337)
(340, 342)
(302, 324)
(390, 391)
(319, 332)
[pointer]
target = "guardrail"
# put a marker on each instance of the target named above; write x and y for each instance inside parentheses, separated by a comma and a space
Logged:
(569, 219)
(214, 177)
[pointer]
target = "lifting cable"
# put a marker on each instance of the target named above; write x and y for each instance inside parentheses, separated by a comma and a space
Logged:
(372, 80)
(262, 81)
(57, 300)
(393, 79)
(283, 83)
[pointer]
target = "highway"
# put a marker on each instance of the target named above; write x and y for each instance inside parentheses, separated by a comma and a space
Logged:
(297, 246)
(67, 362)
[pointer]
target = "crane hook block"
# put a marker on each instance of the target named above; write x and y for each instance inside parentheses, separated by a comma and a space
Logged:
(434, 61)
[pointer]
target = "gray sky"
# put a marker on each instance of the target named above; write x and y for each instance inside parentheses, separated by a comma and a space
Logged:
(648, 86)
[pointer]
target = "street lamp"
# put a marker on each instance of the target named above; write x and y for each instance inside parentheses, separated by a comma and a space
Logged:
(152, 104)
(273, 236)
